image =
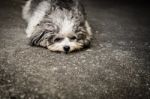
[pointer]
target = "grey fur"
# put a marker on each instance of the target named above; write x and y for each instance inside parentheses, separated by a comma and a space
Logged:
(52, 23)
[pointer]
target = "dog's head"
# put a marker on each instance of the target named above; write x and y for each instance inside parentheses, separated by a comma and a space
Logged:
(62, 34)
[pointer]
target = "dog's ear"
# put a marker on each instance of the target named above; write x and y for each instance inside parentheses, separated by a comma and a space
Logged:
(37, 38)
(85, 39)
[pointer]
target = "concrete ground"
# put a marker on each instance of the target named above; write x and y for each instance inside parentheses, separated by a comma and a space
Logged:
(117, 66)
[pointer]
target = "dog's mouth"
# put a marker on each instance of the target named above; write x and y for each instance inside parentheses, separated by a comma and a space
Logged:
(64, 49)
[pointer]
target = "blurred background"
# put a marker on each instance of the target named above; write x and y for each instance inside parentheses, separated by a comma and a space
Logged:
(117, 66)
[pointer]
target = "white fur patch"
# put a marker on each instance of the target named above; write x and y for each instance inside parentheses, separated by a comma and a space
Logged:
(37, 17)
(25, 13)
(63, 19)
(67, 27)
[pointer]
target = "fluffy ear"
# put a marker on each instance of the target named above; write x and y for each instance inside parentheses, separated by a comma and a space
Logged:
(37, 39)
(85, 39)
(87, 43)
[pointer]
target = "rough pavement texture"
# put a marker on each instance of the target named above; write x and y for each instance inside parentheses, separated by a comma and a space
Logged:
(117, 66)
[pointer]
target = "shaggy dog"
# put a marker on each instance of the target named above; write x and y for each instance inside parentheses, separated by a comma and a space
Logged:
(59, 25)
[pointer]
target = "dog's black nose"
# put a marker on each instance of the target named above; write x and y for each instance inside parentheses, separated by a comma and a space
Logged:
(66, 48)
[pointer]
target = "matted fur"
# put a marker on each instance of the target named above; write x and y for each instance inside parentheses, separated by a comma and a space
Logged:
(59, 25)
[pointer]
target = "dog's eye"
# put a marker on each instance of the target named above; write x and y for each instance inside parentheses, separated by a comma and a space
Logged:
(58, 39)
(73, 38)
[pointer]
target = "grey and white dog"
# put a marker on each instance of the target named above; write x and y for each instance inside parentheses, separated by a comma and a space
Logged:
(59, 25)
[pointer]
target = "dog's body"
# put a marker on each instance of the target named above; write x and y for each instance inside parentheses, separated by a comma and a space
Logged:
(59, 25)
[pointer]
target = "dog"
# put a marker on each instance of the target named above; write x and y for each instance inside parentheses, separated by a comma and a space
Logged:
(58, 25)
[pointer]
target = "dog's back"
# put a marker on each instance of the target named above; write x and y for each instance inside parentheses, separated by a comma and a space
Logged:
(35, 10)
(32, 5)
